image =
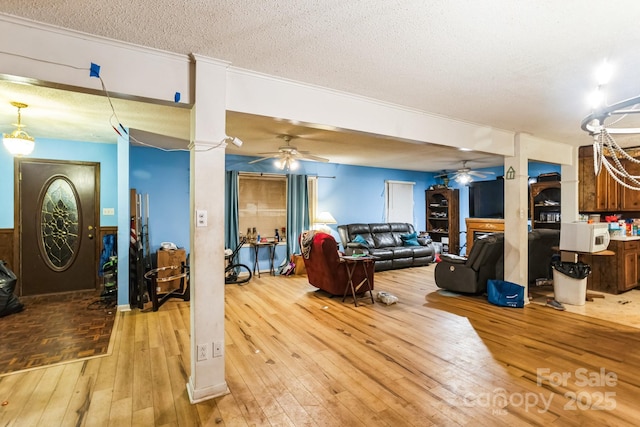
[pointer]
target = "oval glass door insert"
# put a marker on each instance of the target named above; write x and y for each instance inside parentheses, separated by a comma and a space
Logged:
(59, 223)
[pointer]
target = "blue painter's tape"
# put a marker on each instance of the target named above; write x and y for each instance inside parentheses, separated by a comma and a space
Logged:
(94, 71)
(176, 97)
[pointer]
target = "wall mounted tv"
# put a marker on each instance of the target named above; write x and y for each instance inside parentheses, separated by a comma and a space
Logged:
(486, 199)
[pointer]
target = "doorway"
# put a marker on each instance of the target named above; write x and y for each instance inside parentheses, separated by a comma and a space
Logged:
(56, 219)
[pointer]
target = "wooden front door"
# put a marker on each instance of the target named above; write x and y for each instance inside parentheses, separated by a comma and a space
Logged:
(57, 218)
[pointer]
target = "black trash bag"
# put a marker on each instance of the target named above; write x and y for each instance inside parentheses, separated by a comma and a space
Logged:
(575, 270)
(9, 303)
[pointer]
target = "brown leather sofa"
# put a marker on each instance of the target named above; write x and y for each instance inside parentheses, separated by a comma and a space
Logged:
(325, 270)
(385, 242)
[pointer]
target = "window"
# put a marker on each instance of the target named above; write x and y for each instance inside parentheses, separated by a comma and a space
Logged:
(312, 184)
(399, 199)
(262, 203)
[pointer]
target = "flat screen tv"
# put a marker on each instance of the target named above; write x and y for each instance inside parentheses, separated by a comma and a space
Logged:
(486, 199)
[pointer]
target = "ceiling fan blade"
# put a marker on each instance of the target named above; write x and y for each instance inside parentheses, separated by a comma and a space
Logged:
(479, 174)
(311, 157)
(271, 153)
(263, 158)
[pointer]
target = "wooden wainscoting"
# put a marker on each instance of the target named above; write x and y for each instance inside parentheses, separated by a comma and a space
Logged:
(6, 246)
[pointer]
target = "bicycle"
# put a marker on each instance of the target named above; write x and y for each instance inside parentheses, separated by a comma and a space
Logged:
(236, 273)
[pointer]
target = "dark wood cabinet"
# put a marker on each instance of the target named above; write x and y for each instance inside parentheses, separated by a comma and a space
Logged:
(443, 217)
(545, 205)
(630, 199)
(602, 193)
(614, 273)
(597, 193)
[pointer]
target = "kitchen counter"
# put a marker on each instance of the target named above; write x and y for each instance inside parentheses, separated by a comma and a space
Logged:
(625, 238)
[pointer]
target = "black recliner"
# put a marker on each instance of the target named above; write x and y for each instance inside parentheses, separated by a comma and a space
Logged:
(470, 275)
(486, 261)
(543, 247)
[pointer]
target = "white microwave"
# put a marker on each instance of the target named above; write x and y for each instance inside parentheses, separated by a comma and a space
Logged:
(584, 237)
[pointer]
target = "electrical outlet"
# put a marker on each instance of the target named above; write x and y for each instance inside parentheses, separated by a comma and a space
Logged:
(202, 352)
(217, 349)
(201, 218)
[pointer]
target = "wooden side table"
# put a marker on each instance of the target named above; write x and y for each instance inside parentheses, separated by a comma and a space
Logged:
(352, 262)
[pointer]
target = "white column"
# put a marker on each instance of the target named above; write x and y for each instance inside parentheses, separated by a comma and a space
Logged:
(516, 203)
(569, 208)
(207, 178)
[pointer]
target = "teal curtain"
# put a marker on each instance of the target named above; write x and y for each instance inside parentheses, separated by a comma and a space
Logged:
(231, 220)
(297, 212)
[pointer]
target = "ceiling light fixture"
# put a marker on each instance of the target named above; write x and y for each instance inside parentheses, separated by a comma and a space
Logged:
(286, 163)
(606, 151)
(463, 178)
(18, 142)
(287, 155)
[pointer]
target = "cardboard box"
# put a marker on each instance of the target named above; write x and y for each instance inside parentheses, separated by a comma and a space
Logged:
(168, 258)
(299, 262)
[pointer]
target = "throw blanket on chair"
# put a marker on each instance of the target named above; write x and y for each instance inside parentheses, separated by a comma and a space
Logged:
(306, 241)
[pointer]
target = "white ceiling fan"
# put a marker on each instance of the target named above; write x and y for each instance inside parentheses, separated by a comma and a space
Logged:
(465, 175)
(287, 155)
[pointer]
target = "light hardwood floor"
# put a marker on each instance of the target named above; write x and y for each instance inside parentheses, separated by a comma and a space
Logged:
(296, 357)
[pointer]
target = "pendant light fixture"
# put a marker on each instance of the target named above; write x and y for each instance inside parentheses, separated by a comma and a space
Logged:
(18, 142)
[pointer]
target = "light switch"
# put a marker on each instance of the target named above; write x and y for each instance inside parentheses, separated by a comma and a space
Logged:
(201, 218)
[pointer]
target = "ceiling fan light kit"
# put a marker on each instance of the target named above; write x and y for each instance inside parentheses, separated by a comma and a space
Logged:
(464, 175)
(287, 156)
(18, 142)
(286, 164)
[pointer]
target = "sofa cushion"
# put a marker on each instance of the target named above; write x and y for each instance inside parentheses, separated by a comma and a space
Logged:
(422, 251)
(382, 253)
(380, 228)
(402, 252)
(410, 239)
(402, 262)
(384, 240)
(361, 240)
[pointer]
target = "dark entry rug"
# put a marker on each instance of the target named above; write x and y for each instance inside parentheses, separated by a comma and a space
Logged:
(55, 328)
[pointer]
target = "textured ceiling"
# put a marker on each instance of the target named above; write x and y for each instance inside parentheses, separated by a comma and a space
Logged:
(523, 66)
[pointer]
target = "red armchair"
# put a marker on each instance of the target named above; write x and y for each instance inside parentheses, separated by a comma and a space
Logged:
(324, 269)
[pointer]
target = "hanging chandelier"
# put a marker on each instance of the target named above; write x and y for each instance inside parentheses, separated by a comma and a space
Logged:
(602, 124)
(18, 142)
(606, 151)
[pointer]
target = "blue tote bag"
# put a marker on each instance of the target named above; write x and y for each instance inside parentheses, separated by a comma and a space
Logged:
(505, 294)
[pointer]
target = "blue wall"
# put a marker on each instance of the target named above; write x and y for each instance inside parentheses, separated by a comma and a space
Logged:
(164, 176)
(105, 154)
(350, 193)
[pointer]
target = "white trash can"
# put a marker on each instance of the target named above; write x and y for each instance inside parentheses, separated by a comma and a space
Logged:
(568, 290)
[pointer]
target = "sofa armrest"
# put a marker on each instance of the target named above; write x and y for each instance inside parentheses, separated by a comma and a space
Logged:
(356, 245)
(425, 241)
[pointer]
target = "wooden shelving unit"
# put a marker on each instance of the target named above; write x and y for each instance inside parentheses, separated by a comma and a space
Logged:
(443, 218)
(545, 205)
